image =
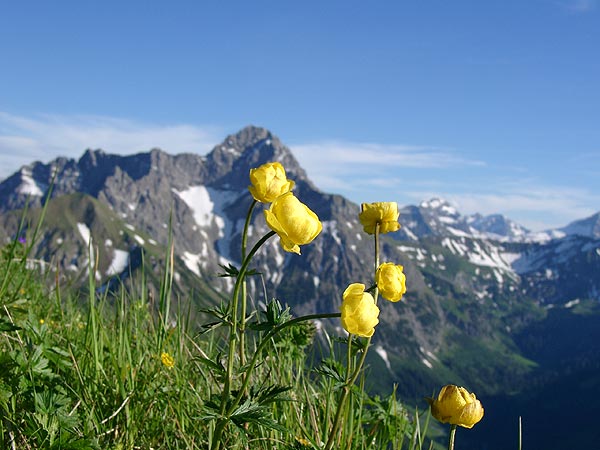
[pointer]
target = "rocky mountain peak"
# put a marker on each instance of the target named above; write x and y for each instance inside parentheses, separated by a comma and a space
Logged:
(588, 227)
(230, 162)
(438, 217)
(437, 203)
(90, 157)
(441, 208)
(498, 225)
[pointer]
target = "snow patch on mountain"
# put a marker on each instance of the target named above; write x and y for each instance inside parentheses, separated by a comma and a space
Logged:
(383, 355)
(199, 201)
(119, 262)
(85, 233)
(543, 237)
(28, 185)
(330, 227)
(208, 207)
(192, 261)
(482, 253)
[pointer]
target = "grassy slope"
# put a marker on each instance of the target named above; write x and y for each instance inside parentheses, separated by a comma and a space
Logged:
(92, 377)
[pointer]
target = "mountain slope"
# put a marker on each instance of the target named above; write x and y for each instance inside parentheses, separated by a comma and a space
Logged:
(474, 282)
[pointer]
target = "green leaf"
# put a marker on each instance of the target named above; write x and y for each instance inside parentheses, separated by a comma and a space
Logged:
(216, 366)
(331, 369)
(272, 316)
(230, 271)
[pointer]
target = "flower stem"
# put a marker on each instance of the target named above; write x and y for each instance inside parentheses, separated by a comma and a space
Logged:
(226, 412)
(376, 292)
(352, 378)
(244, 293)
(451, 437)
(266, 340)
(221, 423)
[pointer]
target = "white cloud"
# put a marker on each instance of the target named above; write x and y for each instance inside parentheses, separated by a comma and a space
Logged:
(534, 206)
(579, 6)
(355, 156)
(44, 137)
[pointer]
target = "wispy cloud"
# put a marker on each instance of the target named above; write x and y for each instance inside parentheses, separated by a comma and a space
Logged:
(578, 6)
(350, 155)
(409, 174)
(536, 206)
(43, 137)
(357, 166)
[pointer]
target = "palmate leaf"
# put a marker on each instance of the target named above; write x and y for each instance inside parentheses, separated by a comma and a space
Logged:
(331, 368)
(273, 315)
(221, 313)
(255, 409)
(251, 412)
(357, 344)
(232, 272)
(271, 394)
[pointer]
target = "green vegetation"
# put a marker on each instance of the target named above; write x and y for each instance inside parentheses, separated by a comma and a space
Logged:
(102, 370)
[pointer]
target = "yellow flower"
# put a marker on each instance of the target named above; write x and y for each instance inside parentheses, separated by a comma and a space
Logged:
(383, 213)
(391, 281)
(293, 221)
(167, 360)
(359, 312)
(269, 182)
(455, 405)
(302, 442)
(42, 321)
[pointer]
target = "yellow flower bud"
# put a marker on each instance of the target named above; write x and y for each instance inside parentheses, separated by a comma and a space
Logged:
(455, 405)
(269, 182)
(359, 312)
(167, 360)
(383, 213)
(390, 281)
(293, 221)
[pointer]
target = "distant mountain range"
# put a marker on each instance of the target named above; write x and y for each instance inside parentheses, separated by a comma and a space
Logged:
(484, 293)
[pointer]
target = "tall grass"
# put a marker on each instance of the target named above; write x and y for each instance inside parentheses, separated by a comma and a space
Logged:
(96, 374)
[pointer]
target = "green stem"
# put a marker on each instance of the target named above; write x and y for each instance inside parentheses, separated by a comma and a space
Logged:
(346, 390)
(376, 292)
(451, 437)
(244, 292)
(232, 339)
(377, 226)
(352, 379)
(226, 412)
(349, 357)
(266, 340)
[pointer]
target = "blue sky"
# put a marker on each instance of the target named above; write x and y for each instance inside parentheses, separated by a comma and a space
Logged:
(494, 106)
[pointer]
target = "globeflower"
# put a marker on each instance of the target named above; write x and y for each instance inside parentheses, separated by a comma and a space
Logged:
(390, 281)
(456, 406)
(383, 213)
(269, 182)
(359, 312)
(293, 221)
